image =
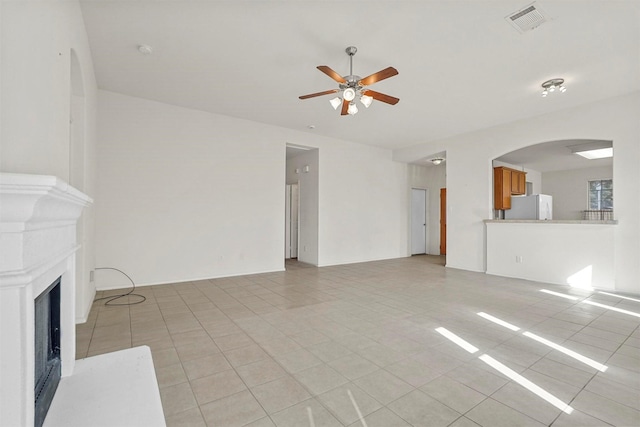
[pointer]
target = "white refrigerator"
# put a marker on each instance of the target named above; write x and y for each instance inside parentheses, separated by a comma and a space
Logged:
(538, 206)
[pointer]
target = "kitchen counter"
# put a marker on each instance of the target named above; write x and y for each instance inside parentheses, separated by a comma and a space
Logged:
(551, 221)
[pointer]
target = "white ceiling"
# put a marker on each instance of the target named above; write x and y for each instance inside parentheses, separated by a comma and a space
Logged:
(461, 66)
(555, 156)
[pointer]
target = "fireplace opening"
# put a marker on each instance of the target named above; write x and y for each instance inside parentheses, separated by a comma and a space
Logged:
(47, 349)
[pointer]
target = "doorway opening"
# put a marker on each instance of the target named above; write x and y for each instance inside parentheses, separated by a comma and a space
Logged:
(426, 214)
(301, 205)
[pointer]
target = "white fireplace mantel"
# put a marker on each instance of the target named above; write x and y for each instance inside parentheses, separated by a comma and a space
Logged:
(38, 216)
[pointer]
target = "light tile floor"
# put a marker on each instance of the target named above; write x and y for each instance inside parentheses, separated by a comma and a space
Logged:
(327, 346)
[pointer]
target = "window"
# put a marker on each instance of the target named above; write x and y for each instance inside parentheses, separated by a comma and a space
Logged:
(601, 194)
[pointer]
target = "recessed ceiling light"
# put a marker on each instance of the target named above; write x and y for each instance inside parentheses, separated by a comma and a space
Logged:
(312, 127)
(593, 149)
(600, 153)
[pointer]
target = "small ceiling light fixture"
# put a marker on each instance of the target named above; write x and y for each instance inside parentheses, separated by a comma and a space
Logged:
(145, 49)
(353, 108)
(553, 85)
(437, 160)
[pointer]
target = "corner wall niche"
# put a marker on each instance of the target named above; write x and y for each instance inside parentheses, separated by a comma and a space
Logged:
(38, 216)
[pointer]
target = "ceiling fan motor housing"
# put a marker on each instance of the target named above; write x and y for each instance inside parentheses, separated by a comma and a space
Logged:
(352, 81)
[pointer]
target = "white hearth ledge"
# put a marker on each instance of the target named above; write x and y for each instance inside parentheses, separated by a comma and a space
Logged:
(123, 392)
(38, 216)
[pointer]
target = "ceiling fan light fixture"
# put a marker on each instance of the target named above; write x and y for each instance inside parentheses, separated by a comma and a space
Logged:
(353, 86)
(349, 94)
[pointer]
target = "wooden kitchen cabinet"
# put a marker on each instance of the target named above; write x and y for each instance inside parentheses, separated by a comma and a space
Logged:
(507, 182)
(502, 188)
(518, 182)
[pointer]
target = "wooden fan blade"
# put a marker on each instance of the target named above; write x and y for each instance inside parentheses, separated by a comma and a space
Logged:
(345, 107)
(381, 97)
(329, 72)
(380, 75)
(313, 95)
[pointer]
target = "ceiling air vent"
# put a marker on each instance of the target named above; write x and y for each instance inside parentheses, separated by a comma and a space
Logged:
(528, 18)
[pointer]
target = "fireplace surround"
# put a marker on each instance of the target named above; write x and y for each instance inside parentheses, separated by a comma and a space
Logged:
(38, 216)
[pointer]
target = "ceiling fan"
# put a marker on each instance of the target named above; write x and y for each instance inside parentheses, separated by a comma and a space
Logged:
(352, 86)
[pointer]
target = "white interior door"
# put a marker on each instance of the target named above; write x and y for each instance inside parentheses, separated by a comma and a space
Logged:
(294, 221)
(418, 221)
(291, 222)
(287, 222)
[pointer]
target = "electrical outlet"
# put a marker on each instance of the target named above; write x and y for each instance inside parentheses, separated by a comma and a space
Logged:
(518, 259)
(92, 276)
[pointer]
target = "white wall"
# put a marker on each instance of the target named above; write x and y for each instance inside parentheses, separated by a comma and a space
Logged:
(431, 178)
(564, 254)
(308, 201)
(363, 204)
(37, 39)
(186, 195)
(469, 177)
(570, 189)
